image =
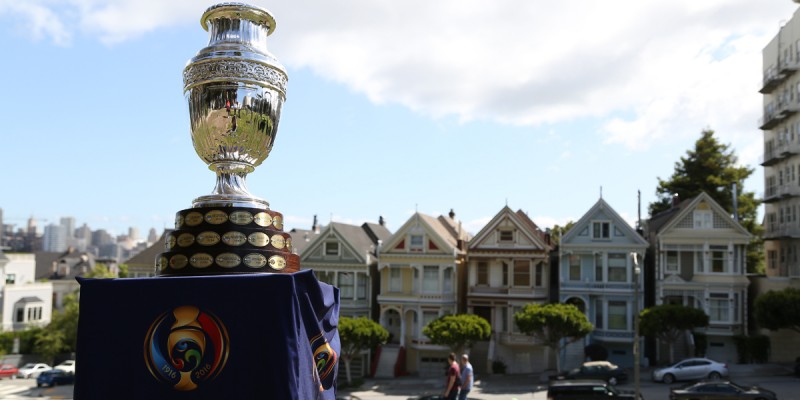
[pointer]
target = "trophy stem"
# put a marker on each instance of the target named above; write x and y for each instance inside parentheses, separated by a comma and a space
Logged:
(231, 188)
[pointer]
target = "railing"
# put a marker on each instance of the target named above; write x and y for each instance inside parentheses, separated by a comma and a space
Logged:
(597, 285)
(505, 290)
(613, 335)
(519, 339)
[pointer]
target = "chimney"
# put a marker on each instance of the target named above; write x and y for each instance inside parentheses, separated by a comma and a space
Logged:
(735, 203)
(547, 235)
(452, 214)
(675, 200)
(315, 226)
(381, 221)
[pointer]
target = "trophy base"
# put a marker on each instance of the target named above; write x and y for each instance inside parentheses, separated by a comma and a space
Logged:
(230, 200)
(227, 240)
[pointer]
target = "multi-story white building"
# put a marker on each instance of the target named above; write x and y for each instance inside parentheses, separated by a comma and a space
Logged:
(24, 302)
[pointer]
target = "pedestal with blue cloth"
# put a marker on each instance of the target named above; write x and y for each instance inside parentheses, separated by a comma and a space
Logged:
(250, 336)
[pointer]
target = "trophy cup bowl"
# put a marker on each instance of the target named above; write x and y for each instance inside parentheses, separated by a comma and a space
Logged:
(235, 89)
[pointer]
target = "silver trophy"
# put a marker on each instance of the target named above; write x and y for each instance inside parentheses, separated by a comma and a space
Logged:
(235, 89)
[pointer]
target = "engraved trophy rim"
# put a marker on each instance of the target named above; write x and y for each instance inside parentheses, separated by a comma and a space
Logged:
(256, 14)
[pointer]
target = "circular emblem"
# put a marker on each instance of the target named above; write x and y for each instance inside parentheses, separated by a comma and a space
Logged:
(277, 222)
(201, 260)
(185, 239)
(228, 260)
(278, 241)
(258, 239)
(178, 220)
(255, 260)
(193, 218)
(277, 262)
(178, 261)
(216, 217)
(234, 238)
(241, 217)
(186, 347)
(170, 242)
(208, 238)
(262, 219)
(161, 263)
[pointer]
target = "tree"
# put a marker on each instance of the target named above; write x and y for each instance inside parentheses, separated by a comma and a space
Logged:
(66, 321)
(49, 343)
(100, 271)
(555, 325)
(668, 322)
(356, 335)
(557, 231)
(457, 331)
(712, 168)
(779, 309)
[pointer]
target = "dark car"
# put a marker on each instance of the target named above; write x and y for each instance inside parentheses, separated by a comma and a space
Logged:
(586, 390)
(720, 390)
(597, 370)
(54, 377)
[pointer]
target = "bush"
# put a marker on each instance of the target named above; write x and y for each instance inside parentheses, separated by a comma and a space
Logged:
(498, 367)
(752, 349)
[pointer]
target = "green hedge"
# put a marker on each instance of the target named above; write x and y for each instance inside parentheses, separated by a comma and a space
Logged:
(753, 349)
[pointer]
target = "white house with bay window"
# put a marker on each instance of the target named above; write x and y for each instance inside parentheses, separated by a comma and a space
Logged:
(700, 253)
(419, 269)
(25, 303)
(598, 275)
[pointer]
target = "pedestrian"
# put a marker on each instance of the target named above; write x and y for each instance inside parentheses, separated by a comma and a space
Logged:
(467, 377)
(453, 376)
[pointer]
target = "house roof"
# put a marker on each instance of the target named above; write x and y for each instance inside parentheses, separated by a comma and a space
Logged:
(301, 239)
(146, 258)
(666, 220)
(619, 222)
(47, 263)
(360, 239)
(447, 231)
(520, 219)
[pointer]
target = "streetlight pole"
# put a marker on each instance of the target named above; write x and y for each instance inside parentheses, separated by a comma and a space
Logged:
(636, 272)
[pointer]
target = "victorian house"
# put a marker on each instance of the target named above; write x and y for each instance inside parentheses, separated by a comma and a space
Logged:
(699, 254)
(598, 274)
(507, 268)
(419, 270)
(343, 255)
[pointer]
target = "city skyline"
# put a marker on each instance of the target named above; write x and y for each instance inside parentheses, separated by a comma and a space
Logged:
(391, 108)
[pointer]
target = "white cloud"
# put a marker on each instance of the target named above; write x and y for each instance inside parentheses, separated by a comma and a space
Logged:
(651, 70)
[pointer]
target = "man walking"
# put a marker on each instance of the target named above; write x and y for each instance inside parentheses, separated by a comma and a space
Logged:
(467, 377)
(453, 378)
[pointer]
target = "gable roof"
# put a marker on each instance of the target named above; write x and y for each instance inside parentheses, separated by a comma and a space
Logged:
(588, 216)
(146, 259)
(360, 240)
(519, 219)
(77, 261)
(445, 232)
(301, 239)
(671, 218)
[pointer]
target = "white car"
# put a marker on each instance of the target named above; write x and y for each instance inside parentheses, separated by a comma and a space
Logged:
(31, 370)
(67, 366)
(691, 369)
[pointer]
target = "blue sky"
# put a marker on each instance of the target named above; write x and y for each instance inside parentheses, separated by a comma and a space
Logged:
(392, 107)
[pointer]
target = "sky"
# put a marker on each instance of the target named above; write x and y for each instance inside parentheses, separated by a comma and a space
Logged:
(392, 107)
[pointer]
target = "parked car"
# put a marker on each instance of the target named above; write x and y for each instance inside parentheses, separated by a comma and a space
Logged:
(32, 370)
(54, 377)
(8, 371)
(691, 369)
(604, 370)
(718, 390)
(586, 390)
(67, 366)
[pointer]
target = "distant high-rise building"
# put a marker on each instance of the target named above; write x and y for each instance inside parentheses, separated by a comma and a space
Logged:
(133, 234)
(31, 226)
(152, 237)
(101, 237)
(2, 230)
(69, 226)
(55, 238)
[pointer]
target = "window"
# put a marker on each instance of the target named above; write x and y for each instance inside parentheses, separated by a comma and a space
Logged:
(331, 248)
(325, 276)
(718, 307)
(522, 273)
(10, 279)
(703, 219)
(598, 267)
(598, 313)
(505, 274)
(346, 285)
(719, 258)
(482, 273)
(427, 318)
(415, 243)
(617, 315)
(574, 268)
(430, 279)
(395, 280)
(20, 315)
(29, 314)
(514, 327)
(361, 286)
(504, 319)
(601, 229)
(506, 236)
(539, 274)
(447, 280)
(772, 259)
(672, 262)
(617, 267)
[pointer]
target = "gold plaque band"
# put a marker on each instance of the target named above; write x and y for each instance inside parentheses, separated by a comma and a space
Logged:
(277, 262)
(234, 238)
(216, 217)
(255, 260)
(258, 239)
(278, 241)
(178, 261)
(193, 218)
(262, 219)
(201, 260)
(228, 260)
(241, 217)
(185, 240)
(208, 238)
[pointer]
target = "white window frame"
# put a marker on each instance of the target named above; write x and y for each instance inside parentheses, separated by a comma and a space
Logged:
(719, 305)
(522, 268)
(329, 246)
(503, 232)
(447, 280)
(482, 270)
(345, 281)
(416, 247)
(624, 306)
(395, 280)
(703, 219)
(672, 267)
(430, 279)
(361, 286)
(570, 266)
(601, 230)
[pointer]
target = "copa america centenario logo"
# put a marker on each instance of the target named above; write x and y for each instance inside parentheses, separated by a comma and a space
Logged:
(186, 347)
